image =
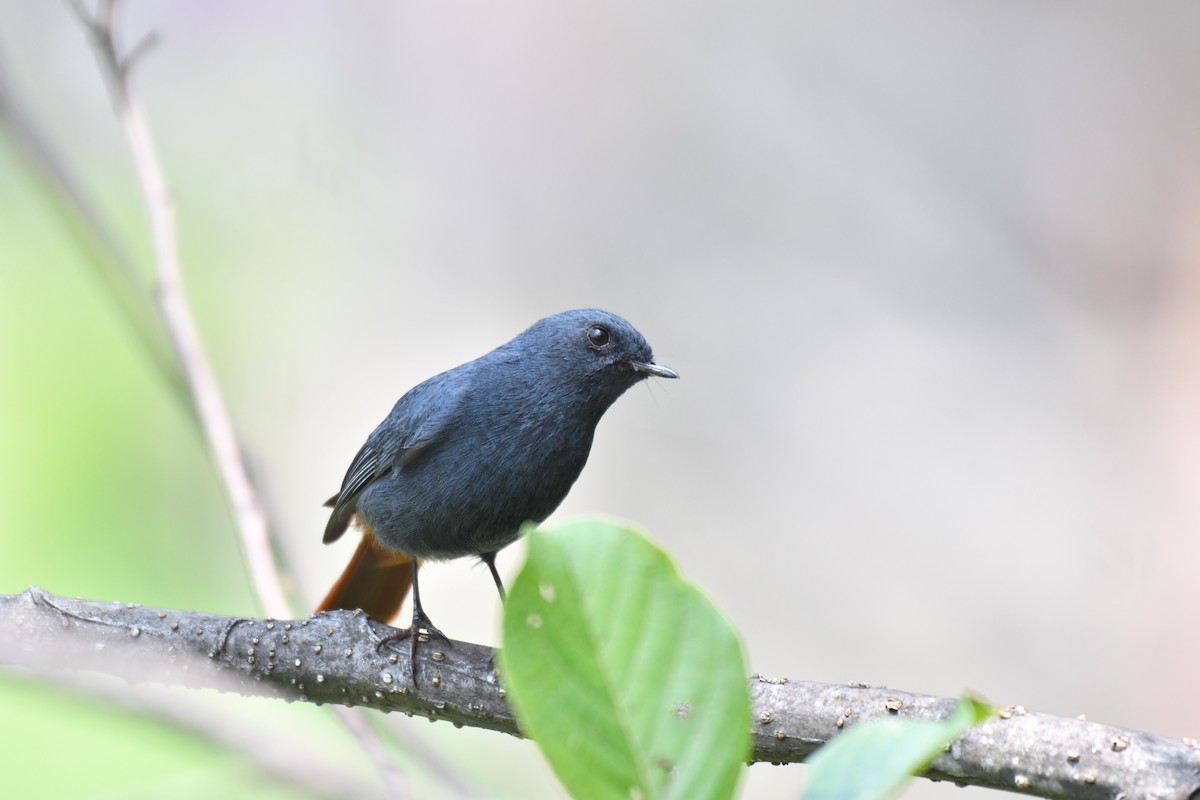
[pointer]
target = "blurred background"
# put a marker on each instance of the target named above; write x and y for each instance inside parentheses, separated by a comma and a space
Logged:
(930, 273)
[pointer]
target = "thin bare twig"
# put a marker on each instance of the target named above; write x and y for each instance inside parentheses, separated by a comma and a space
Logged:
(172, 302)
(209, 404)
(115, 266)
(249, 512)
(122, 277)
(391, 773)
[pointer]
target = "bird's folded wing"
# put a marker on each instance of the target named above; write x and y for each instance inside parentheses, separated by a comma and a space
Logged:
(417, 424)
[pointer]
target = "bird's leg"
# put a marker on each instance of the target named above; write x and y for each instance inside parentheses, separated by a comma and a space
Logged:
(490, 560)
(421, 630)
(421, 624)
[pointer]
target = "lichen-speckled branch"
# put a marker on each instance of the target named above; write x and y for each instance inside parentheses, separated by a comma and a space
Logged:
(336, 658)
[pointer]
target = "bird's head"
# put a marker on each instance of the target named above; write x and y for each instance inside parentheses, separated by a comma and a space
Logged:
(599, 349)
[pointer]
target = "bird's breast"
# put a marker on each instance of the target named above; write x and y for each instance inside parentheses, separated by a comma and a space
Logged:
(471, 494)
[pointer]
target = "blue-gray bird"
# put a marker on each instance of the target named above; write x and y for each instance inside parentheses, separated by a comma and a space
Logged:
(470, 455)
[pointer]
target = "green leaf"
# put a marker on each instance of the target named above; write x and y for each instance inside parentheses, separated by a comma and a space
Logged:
(875, 759)
(626, 676)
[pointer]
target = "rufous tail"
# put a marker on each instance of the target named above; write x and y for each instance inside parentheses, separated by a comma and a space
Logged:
(376, 580)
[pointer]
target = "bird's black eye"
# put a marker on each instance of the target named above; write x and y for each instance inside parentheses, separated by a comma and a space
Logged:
(597, 336)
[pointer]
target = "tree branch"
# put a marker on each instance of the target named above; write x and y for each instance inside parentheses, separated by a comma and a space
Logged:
(334, 658)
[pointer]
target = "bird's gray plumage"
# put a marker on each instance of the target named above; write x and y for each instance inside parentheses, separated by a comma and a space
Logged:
(468, 456)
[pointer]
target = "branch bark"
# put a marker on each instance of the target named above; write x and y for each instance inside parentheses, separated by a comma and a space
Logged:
(334, 658)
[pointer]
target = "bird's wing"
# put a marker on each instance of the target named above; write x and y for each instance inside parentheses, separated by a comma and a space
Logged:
(417, 424)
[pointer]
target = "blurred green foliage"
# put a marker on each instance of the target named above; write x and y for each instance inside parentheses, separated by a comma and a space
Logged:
(105, 492)
(106, 484)
(57, 745)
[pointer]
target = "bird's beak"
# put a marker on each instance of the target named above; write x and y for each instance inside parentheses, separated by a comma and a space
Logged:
(655, 369)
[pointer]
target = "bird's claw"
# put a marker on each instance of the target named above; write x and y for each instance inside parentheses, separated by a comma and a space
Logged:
(420, 631)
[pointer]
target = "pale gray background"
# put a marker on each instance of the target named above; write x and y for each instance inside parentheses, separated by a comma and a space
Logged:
(928, 270)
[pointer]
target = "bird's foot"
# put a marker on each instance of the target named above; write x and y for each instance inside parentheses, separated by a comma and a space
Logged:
(420, 632)
(396, 635)
(426, 630)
